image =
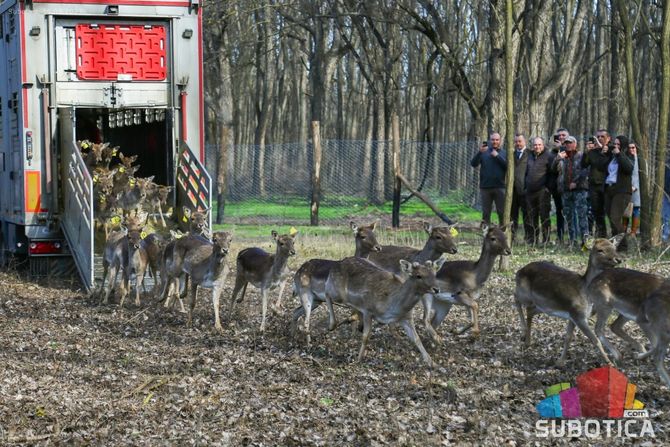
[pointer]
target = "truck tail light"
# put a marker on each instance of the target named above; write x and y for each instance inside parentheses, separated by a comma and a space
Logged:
(44, 247)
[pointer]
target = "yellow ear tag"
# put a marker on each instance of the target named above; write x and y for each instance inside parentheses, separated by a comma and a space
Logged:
(184, 219)
(95, 179)
(116, 220)
(179, 236)
(453, 231)
(143, 234)
(103, 199)
(131, 181)
(293, 231)
(114, 152)
(84, 145)
(122, 169)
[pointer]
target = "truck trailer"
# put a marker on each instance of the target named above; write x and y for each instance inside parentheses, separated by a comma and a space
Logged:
(127, 72)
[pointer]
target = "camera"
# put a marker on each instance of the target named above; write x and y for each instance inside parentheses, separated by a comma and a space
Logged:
(557, 138)
(592, 140)
(485, 143)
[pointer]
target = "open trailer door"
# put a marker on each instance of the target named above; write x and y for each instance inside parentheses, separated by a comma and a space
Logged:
(193, 184)
(77, 219)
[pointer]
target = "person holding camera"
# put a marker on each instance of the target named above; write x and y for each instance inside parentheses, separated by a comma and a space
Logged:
(558, 145)
(538, 197)
(493, 164)
(573, 187)
(595, 159)
(618, 185)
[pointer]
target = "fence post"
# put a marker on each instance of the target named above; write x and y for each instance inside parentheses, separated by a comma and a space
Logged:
(395, 217)
(221, 167)
(316, 175)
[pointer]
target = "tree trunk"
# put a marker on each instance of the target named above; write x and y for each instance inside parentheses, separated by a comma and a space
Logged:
(316, 175)
(663, 115)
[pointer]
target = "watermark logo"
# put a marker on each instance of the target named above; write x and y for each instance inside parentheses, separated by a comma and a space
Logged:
(601, 405)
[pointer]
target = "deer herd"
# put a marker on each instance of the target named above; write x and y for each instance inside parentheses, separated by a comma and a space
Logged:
(385, 283)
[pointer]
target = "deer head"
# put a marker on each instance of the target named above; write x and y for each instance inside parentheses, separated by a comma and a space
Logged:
(495, 240)
(285, 243)
(221, 245)
(197, 220)
(441, 238)
(604, 252)
(423, 275)
(366, 241)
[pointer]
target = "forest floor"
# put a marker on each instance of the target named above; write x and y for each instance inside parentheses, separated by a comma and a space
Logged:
(76, 372)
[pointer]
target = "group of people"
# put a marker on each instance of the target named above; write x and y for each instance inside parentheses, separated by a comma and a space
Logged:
(586, 186)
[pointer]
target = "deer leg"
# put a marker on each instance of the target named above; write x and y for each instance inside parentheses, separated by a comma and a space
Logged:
(332, 324)
(582, 323)
(105, 271)
(522, 317)
(110, 284)
(125, 286)
(239, 283)
(277, 306)
(194, 295)
(602, 315)
(442, 309)
(427, 301)
(530, 313)
(410, 330)
(659, 359)
(139, 280)
(264, 306)
(182, 294)
(367, 326)
(567, 339)
(617, 328)
(216, 294)
(160, 213)
(466, 300)
(307, 306)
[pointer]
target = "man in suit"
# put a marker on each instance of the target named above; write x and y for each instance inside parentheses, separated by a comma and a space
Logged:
(519, 195)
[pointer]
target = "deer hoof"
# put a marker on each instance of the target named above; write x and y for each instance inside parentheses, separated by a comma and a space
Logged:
(275, 310)
(475, 333)
(219, 328)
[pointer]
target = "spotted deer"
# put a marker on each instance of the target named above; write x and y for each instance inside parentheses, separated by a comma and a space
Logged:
(623, 290)
(207, 267)
(656, 324)
(544, 287)
(309, 281)
(380, 295)
(264, 270)
(460, 282)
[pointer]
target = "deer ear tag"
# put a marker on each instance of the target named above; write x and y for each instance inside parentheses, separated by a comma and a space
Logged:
(453, 231)
(143, 235)
(184, 219)
(293, 231)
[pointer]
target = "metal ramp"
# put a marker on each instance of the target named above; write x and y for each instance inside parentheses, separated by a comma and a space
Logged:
(78, 224)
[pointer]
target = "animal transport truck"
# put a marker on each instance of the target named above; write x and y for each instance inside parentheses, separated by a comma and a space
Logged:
(127, 72)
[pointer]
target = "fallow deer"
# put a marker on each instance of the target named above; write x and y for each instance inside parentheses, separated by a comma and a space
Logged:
(656, 323)
(309, 281)
(460, 282)
(115, 255)
(135, 194)
(137, 262)
(439, 241)
(175, 251)
(157, 196)
(207, 267)
(380, 295)
(264, 270)
(544, 287)
(625, 291)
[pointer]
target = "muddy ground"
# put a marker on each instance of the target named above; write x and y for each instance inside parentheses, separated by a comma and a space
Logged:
(75, 372)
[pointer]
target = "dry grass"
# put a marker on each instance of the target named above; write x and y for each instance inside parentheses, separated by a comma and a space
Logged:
(75, 372)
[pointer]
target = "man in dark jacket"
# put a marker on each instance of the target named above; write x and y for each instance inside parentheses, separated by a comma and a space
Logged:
(573, 186)
(519, 196)
(618, 185)
(558, 139)
(538, 197)
(493, 164)
(595, 160)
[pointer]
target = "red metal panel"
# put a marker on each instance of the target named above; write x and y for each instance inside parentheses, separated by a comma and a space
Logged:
(104, 52)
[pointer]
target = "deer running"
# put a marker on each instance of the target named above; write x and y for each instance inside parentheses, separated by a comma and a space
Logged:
(460, 282)
(377, 294)
(309, 281)
(544, 287)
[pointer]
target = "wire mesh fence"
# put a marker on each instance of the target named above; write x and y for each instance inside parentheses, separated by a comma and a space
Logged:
(273, 184)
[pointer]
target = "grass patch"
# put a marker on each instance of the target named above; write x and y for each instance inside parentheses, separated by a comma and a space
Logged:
(341, 207)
